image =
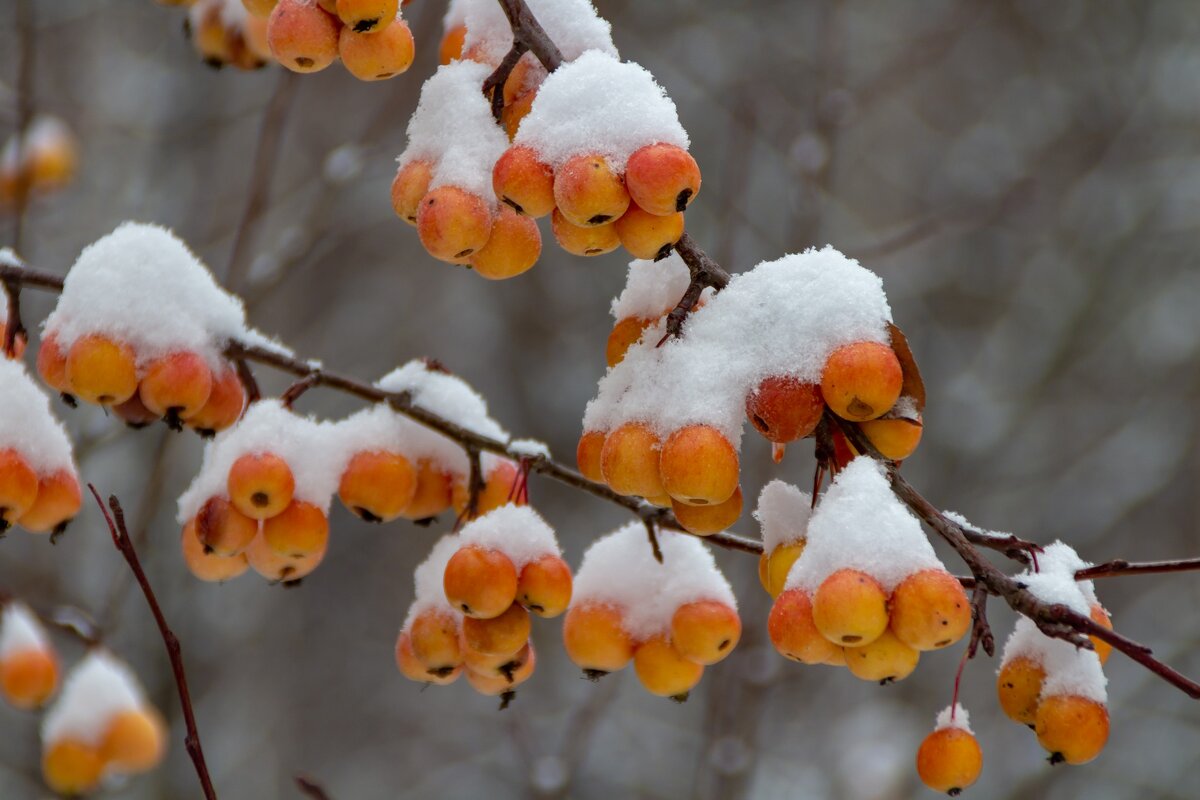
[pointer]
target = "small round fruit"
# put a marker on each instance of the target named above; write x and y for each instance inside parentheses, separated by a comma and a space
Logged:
(930, 610)
(629, 461)
(595, 639)
(886, 659)
(176, 385)
(378, 485)
(135, 741)
(101, 370)
(544, 586)
(260, 485)
(861, 381)
(663, 670)
(502, 635)
(411, 668)
(784, 409)
(793, 631)
(209, 566)
(895, 439)
(662, 178)
(1100, 617)
(378, 55)
(71, 767)
(1019, 687)
(949, 760)
(699, 466)
(705, 631)
(588, 455)
(302, 36)
(299, 531)
(58, 501)
(453, 223)
(1073, 729)
(480, 582)
(434, 635)
(578, 240)
(524, 182)
(588, 191)
(512, 249)
(850, 608)
(779, 564)
(408, 187)
(222, 529)
(28, 677)
(707, 520)
(18, 487)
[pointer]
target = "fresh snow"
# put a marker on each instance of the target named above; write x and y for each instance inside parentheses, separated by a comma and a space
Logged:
(28, 426)
(20, 631)
(517, 531)
(783, 512)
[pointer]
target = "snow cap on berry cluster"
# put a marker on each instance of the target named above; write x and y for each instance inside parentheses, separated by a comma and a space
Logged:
(454, 130)
(377, 427)
(783, 512)
(268, 427)
(20, 631)
(142, 285)
(573, 25)
(859, 524)
(28, 426)
(620, 570)
(44, 132)
(517, 531)
(782, 318)
(428, 581)
(599, 104)
(99, 687)
(652, 288)
(953, 717)
(233, 13)
(1069, 670)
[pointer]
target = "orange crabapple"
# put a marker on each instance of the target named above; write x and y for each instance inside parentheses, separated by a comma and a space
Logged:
(1100, 617)
(705, 631)
(896, 438)
(434, 635)
(411, 668)
(377, 485)
(595, 639)
(492, 666)
(514, 84)
(367, 16)
(523, 182)
(699, 466)
(629, 460)
(480, 582)
(453, 223)
(28, 677)
(378, 55)
(135, 740)
(663, 670)
(209, 566)
(949, 760)
(793, 631)
(886, 659)
(432, 494)
(451, 45)
(20, 342)
(299, 531)
(101, 370)
(778, 564)
(254, 34)
(1019, 688)
(516, 111)
(513, 247)
(861, 381)
(277, 567)
(71, 767)
(210, 38)
(503, 635)
(176, 385)
(260, 8)
(134, 414)
(647, 235)
(930, 610)
(544, 586)
(662, 178)
(303, 36)
(588, 191)
(594, 240)
(409, 186)
(707, 520)
(18, 487)
(588, 455)
(260, 485)
(494, 685)
(625, 334)
(784, 409)
(222, 529)
(850, 608)
(1071, 728)
(224, 406)
(57, 502)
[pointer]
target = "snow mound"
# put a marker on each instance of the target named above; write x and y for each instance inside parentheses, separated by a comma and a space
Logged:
(20, 631)
(517, 531)
(98, 688)
(652, 288)
(953, 717)
(783, 513)
(573, 25)
(28, 426)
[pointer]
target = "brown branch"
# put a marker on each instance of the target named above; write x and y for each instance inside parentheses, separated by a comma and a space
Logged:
(529, 33)
(292, 393)
(1119, 567)
(981, 632)
(124, 544)
(493, 86)
(13, 327)
(246, 376)
(311, 788)
(704, 273)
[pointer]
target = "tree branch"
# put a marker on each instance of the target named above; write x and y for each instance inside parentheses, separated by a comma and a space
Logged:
(493, 86)
(311, 788)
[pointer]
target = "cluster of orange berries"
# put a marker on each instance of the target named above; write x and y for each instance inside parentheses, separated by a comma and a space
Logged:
(29, 665)
(671, 619)
(224, 34)
(42, 160)
(369, 36)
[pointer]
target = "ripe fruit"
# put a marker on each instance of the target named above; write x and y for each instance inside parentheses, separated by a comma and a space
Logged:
(71, 767)
(408, 187)
(629, 460)
(493, 685)
(699, 466)
(378, 485)
(793, 631)
(52, 364)
(224, 405)
(929, 610)
(850, 608)
(784, 409)
(58, 500)
(647, 235)
(134, 414)
(705, 631)
(663, 670)
(779, 564)
(594, 638)
(588, 455)
(434, 637)
(513, 247)
(135, 740)
(432, 494)
(378, 55)
(209, 566)
(18, 487)
(1019, 687)
(861, 381)
(101, 370)
(362, 16)
(275, 566)
(625, 334)
(490, 666)
(453, 223)
(516, 111)
(895, 439)
(411, 668)
(480, 582)
(222, 529)
(1072, 728)
(452, 44)
(886, 659)
(28, 677)
(303, 37)
(544, 586)
(706, 520)
(523, 182)
(260, 485)
(176, 385)
(595, 240)
(662, 178)
(589, 192)
(503, 635)
(1100, 617)
(949, 760)
(298, 531)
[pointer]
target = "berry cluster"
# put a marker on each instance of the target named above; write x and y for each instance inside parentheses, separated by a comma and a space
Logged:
(101, 726)
(140, 327)
(671, 617)
(39, 484)
(29, 669)
(42, 160)
(223, 33)
(372, 40)
(1049, 684)
(865, 589)
(950, 759)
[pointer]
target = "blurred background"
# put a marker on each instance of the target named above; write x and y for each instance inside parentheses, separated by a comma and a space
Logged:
(1025, 177)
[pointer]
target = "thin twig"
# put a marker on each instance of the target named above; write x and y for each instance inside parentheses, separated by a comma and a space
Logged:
(493, 86)
(705, 273)
(311, 788)
(1119, 567)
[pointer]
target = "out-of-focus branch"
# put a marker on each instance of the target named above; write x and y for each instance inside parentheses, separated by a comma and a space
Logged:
(311, 788)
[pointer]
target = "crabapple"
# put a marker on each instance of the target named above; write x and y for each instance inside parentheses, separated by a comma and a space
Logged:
(663, 670)
(58, 500)
(498, 490)
(209, 566)
(367, 16)
(595, 639)
(662, 178)
(625, 334)
(647, 235)
(503, 635)
(378, 485)
(861, 381)
(52, 364)
(224, 405)
(260, 485)
(303, 37)
(588, 455)
(71, 767)
(480, 582)
(895, 438)
(453, 223)
(779, 564)
(930, 610)
(28, 677)
(275, 566)
(512, 248)
(411, 668)
(432, 494)
(1073, 729)
(1100, 617)
(1019, 687)
(949, 760)
(451, 46)
(699, 466)
(522, 181)
(435, 641)
(594, 240)
(850, 608)
(707, 520)
(588, 191)
(134, 414)
(516, 111)
(409, 186)
(300, 530)
(783, 408)
(222, 529)
(629, 460)
(493, 685)
(705, 631)
(379, 55)
(101, 370)
(260, 8)
(176, 385)
(793, 631)
(18, 487)
(544, 586)
(885, 659)
(135, 740)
